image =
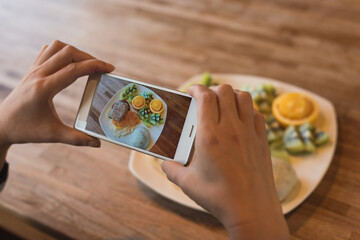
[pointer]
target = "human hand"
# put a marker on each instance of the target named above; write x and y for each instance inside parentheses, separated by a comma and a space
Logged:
(231, 172)
(28, 113)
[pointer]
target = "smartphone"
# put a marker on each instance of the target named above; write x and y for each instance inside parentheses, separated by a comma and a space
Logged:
(150, 119)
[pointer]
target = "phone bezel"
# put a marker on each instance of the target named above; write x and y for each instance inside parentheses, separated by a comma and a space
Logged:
(185, 144)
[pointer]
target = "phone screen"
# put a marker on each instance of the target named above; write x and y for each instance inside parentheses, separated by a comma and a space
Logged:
(139, 116)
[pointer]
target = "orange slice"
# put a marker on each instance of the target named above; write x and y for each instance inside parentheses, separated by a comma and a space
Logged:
(138, 102)
(156, 106)
(295, 109)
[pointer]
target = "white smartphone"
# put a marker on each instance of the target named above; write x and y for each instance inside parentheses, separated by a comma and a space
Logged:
(150, 119)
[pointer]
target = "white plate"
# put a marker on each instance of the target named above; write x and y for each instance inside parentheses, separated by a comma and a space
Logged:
(155, 131)
(310, 169)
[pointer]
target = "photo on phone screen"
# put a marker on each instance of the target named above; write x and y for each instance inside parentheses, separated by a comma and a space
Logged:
(139, 116)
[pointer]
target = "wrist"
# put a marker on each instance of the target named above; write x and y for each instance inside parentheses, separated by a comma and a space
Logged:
(264, 228)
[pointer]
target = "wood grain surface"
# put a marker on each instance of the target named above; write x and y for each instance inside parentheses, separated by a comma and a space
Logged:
(89, 193)
(177, 107)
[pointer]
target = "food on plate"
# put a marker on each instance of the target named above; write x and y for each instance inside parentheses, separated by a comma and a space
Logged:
(130, 119)
(118, 110)
(206, 79)
(156, 106)
(129, 93)
(140, 137)
(149, 108)
(263, 97)
(278, 150)
(307, 133)
(284, 177)
(321, 138)
(295, 109)
(156, 119)
(273, 129)
(292, 141)
(280, 111)
(304, 139)
(144, 113)
(148, 97)
(126, 125)
(138, 102)
(150, 118)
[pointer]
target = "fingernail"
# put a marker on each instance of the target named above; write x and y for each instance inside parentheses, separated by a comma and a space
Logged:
(110, 66)
(93, 143)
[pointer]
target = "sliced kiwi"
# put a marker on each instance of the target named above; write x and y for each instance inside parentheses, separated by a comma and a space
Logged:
(309, 146)
(256, 97)
(294, 145)
(321, 138)
(307, 131)
(264, 107)
(278, 150)
(271, 136)
(272, 123)
(307, 127)
(290, 133)
(123, 96)
(292, 140)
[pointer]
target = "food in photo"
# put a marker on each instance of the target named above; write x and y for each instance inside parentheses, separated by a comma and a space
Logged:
(140, 138)
(136, 116)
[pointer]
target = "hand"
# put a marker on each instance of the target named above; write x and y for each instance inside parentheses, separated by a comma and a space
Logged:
(28, 113)
(231, 172)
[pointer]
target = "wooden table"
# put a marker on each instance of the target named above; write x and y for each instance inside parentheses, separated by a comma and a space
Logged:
(82, 193)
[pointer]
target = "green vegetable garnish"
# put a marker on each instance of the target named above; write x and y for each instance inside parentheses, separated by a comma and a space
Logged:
(144, 113)
(148, 97)
(129, 93)
(206, 79)
(156, 119)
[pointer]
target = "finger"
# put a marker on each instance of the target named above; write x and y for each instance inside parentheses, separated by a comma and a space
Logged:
(67, 75)
(67, 135)
(39, 54)
(207, 105)
(226, 100)
(245, 107)
(53, 48)
(259, 125)
(65, 56)
(175, 172)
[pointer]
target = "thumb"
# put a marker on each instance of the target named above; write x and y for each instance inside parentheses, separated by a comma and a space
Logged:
(74, 137)
(175, 172)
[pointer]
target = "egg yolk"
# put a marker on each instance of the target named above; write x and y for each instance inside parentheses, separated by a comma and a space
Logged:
(295, 106)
